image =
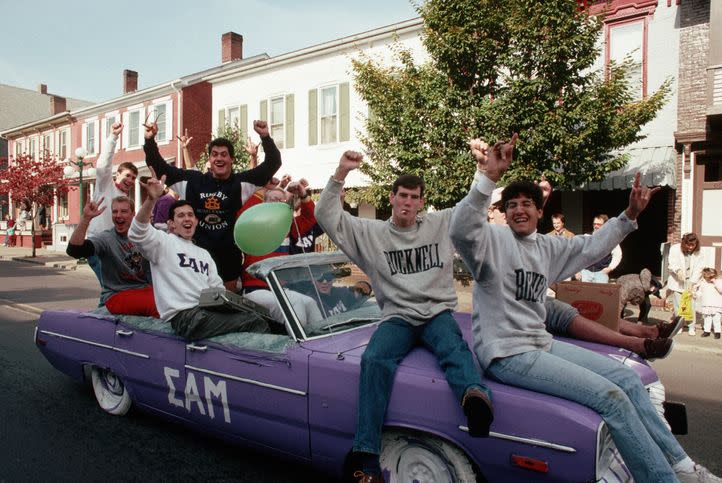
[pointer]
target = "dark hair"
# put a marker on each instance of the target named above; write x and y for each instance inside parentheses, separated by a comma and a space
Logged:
(525, 188)
(691, 238)
(178, 204)
(410, 182)
(709, 272)
(602, 216)
(129, 166)
(559, 216)
(221, 142)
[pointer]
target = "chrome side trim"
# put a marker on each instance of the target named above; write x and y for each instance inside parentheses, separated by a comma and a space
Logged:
(530, 441)
(247, 381)
(95, 344)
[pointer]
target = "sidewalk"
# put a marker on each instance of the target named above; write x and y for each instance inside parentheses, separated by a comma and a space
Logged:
(43, 256)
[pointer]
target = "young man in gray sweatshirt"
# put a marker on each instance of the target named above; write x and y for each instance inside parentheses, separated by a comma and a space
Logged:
(409, 259)
(512, 268)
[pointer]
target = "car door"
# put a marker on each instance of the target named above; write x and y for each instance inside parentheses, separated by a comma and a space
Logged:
(152, 365)
(255, 389)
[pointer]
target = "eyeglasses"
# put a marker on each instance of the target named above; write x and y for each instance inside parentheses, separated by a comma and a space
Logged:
(325, 278)
(526, 204)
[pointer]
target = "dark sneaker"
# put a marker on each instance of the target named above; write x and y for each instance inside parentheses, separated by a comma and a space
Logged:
(479, 412)
(362, 477)
(705, 334)
(657, 348)
(716, 335)
(669, 330)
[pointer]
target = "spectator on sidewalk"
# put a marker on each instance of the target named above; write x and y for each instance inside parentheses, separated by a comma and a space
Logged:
(684, 263)
(181, 270)
(560, 229)
(126, 287)
(598, 272)
(709, 301)
(10, 237)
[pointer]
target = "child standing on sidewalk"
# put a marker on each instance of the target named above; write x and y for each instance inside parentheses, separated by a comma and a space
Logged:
(709, 298)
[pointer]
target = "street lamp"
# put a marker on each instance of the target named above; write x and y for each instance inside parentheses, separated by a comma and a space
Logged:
(80, 153)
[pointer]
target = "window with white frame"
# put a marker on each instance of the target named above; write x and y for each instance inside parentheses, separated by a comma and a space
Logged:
(32, 148)
(90, 136)
(18, 148)
(133, 128)
(63, 206)
(626, 41)
(110, 119)
(162, 114)
(47, 143)
(277, 117)
(234, 116)
(62, 151)
(328, 114)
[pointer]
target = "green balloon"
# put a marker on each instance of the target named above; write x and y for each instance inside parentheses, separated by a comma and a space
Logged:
(261, 228)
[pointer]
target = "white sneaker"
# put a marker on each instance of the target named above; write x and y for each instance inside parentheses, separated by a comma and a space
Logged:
(691, 330)
(700, 474)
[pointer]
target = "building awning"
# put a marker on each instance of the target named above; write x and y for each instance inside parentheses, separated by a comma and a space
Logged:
(655, 163)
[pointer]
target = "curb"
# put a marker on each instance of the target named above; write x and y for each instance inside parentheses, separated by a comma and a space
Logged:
(67, 265)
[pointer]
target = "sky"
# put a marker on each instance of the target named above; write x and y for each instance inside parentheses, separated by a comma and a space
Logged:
(79, 49)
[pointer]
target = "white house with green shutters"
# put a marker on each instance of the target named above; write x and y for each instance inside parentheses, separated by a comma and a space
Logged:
(309, 100)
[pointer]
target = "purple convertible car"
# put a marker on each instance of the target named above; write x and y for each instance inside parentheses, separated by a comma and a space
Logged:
(293, 391)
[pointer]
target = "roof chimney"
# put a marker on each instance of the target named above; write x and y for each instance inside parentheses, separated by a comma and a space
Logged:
(130, 81)
(231, 47)
(43, 88)
(57, 105)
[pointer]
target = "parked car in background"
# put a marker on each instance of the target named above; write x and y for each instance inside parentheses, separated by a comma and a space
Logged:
(293, 391)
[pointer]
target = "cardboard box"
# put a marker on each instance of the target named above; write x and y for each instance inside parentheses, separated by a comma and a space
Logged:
(595, 301)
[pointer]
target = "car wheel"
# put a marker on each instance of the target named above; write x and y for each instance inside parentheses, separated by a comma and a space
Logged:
(110, 392)
(416, 457)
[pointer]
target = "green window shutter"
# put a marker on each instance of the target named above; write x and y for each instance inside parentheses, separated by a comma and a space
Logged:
(289, 121)
(312, 117)
(221, 119)
(243, 122)
(264, 111)
(344, 128)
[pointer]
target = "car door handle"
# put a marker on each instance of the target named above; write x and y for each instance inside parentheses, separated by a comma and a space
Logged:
(198, 348)
(124, 333)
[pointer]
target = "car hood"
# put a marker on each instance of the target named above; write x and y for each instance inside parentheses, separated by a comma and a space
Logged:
(352, 343)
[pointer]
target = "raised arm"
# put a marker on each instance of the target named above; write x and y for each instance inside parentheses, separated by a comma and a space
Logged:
(104, 166)
(156, 162)
(154, 188)
(260, 175)
(78, 246)
(252, 150)
(186, 161)
(339, 225)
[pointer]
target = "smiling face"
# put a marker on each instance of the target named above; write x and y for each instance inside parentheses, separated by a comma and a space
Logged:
(324, 283)
(405, 205)
(220, 162)
(558, 224)
(124, 180)
(522, 215)
(122, 216)
(184, 222)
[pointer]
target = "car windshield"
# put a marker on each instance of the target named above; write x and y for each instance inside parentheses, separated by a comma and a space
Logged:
(329, 297)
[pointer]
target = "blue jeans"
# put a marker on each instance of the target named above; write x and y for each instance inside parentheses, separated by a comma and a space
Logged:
(393, 339)
(596, 277)
(611, 389)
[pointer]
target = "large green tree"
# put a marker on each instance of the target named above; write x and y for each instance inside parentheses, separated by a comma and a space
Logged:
(497, 67)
